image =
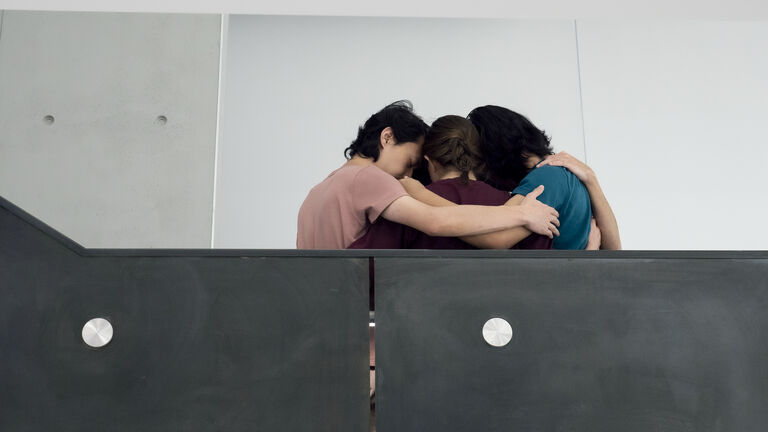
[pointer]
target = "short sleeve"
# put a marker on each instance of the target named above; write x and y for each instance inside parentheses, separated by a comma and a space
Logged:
(373, 191)
(555, 185)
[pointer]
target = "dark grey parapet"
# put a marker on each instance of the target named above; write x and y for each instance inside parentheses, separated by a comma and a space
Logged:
(654, 344)
(277, 339)
(214, 343)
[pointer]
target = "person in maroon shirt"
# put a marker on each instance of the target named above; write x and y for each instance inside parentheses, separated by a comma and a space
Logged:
(451, 149)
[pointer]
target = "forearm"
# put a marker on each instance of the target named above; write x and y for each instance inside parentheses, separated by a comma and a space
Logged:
(504, 239)
(428, 197)
(604, 216)
(471, 220)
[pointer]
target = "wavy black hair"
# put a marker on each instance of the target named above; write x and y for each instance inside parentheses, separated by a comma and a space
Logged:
(406, 127)
(507, 139)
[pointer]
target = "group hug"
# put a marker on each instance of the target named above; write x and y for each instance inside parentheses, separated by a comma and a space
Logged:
(490, 180)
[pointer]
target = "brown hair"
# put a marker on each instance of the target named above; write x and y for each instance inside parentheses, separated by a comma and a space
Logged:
(453, 141)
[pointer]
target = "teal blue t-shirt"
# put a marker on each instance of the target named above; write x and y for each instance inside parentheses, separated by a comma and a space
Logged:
(567, 194)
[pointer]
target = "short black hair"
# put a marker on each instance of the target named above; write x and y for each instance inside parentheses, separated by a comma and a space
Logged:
(507, 139)
(406, 127)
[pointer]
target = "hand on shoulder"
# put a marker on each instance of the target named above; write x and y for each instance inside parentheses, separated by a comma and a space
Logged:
(577, 167)
(540, 218)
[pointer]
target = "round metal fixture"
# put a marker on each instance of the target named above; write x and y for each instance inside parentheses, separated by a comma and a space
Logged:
(97, 332)
(497, 332)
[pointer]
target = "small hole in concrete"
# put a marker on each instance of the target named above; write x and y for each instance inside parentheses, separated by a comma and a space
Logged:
(49, 120)
(161, 120)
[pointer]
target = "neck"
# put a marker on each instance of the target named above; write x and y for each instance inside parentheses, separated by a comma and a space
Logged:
(449, 174)
(532, 161)
(359, 160)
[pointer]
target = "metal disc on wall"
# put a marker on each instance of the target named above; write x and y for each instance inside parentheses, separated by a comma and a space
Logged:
(97, 332)
(497, 332)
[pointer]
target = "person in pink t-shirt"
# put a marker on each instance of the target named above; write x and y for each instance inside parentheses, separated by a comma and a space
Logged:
(342, 207)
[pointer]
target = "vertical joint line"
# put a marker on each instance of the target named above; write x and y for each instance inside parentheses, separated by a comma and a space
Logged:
(2, 16)
(219, 88)
(581, 93)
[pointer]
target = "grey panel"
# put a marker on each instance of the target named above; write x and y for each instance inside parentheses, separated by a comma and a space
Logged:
(598, 345)
(200, 343)
(107, 171)
(675, 84)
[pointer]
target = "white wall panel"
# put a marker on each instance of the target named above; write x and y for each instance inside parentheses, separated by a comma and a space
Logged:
(107, 173)
(541, 9)
(675, 127)
(297, 88)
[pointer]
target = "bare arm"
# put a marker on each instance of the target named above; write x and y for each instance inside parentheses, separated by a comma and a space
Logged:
(502, 239)
(594, 240)
(455, 221)
(601, 210)
(421, 193)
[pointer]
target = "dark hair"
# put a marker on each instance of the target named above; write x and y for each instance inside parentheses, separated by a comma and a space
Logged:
(507, 139)
(406, 127)
(452, 141)
(421, 173)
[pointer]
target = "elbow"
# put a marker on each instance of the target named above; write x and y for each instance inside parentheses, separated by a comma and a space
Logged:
(439, 227)
(495, 241)
(611, 245)
(435, 228)
(498, 245)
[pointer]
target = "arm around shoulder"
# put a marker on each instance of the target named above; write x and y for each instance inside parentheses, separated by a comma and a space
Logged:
(464, 220)
(601, 210)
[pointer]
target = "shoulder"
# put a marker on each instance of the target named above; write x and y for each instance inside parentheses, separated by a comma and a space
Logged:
(481, 185)
(371, 182)
(448, 189)
(372, 170)
(549, 176)
(548, 172)
(372, 174)
(442, 185)
(490, 194)
(555, 181)
(546, 175)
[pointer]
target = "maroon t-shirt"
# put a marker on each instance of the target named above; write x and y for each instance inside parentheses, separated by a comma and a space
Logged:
(385, 234)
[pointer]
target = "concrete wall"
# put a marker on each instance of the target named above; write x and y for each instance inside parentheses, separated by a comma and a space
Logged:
(108, 124)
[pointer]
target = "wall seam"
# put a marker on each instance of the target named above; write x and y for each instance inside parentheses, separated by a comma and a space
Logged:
(222, 48)
(2, 17)
(581, 93)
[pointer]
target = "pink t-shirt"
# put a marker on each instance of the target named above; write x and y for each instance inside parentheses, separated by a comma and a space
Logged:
(342, 207)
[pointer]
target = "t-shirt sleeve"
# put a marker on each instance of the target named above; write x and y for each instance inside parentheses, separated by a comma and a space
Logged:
(554, 181)
(374, 190)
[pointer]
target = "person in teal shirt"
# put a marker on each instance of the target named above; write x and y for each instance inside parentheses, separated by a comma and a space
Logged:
(518, 157)
(566, 194)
